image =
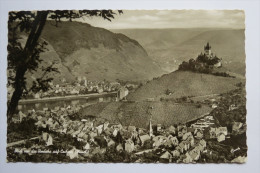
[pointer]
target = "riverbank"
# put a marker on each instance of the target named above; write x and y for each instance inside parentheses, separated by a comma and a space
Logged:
(70, 97)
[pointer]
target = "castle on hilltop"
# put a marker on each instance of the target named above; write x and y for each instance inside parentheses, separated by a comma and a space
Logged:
(205, 62)
(209, 58)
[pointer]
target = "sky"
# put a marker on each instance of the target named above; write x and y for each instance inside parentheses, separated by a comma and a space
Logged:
(172, 19)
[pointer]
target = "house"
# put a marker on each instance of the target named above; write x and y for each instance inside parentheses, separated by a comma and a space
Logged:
(115, 132)
(56, 108)
(158, 127)
(108, 132)
(166, 157)
(131, 128)
(44, 136)
(92, 135)
(116, 126)
(122, 93)
(21, 116)
(10, 91)
(214, 106)
(221, 137)
(172, 129)
(100, 128)
(119, 147)
(190, 129)
(126, 134)
(190, 140)
(209, 117)
(236, 126)
(179, 148)
(218, 64)
(176, 153)
(73, 153)
(173, 140)
(215, 132)
(212, 132)
(88, 124)
(37, 95)
(110, 142)
(81, 134)
(187, 158)
(186, 136)
(105, 125)
(74, 91)
(75, 133)
(49, 141)
(232, 107)
(199, 134)
(144, 138)
(180, 134)
(159, 140)
(194, 154)
(87, 146)
(222, 130)
(199, 148)
(184, 146)
(203, 143)
(180, 127)
(239, 159)
(100, 90)
(129, 146)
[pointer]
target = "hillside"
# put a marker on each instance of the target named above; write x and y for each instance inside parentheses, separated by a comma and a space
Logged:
(83, 50)
(184, 83)
(169, 47)
(137, 114)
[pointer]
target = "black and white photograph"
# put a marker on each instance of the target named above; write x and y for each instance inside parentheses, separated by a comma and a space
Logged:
(126, 86)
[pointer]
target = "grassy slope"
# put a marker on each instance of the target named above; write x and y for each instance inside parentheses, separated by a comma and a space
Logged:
(137, 114)
(183, 83)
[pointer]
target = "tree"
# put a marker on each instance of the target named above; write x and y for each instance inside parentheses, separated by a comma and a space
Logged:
(23, 59)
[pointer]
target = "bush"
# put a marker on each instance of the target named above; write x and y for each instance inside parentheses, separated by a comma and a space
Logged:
(199, 106)
(168, 92)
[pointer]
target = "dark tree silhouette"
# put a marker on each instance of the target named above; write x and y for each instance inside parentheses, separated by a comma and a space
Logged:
(22, 59)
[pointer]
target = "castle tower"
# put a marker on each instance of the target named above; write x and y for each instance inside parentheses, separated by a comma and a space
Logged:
(207, 50)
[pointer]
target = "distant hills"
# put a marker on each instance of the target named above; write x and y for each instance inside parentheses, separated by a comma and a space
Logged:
(169, 47)
(96, 53)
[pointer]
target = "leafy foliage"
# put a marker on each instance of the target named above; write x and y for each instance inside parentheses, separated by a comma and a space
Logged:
(26, 58)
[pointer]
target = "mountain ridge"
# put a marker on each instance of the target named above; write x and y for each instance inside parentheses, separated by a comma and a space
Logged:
(96, 53)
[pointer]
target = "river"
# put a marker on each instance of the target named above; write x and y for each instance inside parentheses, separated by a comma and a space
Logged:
(24, 107)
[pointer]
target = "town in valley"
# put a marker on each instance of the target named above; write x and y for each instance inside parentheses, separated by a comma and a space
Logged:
(167, 95)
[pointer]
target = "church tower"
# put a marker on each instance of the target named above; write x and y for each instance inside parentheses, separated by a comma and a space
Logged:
(207, 50)
(150, 129)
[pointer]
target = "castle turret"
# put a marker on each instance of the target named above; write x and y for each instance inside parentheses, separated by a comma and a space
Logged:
(207, 50)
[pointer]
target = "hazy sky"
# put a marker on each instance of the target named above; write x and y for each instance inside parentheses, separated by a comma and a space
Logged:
(173, 19)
